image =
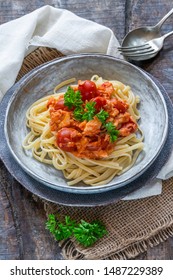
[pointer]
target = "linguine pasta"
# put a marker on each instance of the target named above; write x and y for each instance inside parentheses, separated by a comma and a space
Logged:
(41, 140)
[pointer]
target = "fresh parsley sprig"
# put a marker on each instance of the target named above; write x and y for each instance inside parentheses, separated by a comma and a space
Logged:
(102, 116)
(60, 230)
(78, 113)
(72, 98)
(85, 233)
(89, 111)
(88, 233)
(112, 131)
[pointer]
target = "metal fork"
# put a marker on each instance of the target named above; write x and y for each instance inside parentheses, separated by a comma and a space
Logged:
(149, 49)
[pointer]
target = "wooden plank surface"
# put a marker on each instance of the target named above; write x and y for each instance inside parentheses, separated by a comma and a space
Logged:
(149, 13)
(22, 219)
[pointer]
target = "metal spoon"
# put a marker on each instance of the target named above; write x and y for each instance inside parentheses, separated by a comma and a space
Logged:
(141, 35)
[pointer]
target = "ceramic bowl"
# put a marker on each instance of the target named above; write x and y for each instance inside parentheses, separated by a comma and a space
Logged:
(42, 80)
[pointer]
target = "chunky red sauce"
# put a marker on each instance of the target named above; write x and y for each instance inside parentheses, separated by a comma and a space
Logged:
(90, 137)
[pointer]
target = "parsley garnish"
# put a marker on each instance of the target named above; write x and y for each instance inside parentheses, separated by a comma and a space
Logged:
(90, 111)
(102, 116)
(72, 98)
(78, 113)
(88, 233)
(112, 131)
(85, 233)
(58, 229)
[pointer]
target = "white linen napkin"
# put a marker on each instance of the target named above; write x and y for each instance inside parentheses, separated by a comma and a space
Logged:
(49, 27)
(63, 30)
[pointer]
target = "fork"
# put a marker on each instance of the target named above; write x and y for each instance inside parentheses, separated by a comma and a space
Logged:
(151, 47)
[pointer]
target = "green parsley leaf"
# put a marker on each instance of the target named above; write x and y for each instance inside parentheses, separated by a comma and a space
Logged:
(102, 116)
(78, 113)
(90, 111)
(112, 131)
(72, 98)
(85, 233)
(88, 233)
(51, 223)
(60, 230)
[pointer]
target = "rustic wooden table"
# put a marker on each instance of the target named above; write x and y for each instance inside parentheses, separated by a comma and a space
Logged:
(22, 220)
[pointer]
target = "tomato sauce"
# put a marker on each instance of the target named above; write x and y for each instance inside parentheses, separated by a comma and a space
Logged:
(88, 138)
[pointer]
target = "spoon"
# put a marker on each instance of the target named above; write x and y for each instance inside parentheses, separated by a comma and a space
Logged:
(141, 35)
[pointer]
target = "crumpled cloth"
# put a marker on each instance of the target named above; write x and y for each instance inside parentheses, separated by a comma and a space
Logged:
(70, 34)
(49, 27)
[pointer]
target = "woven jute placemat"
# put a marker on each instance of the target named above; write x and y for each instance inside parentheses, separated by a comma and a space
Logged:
(133, 226)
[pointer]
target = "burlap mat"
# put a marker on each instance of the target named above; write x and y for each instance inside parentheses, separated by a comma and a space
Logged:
(133, 226)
